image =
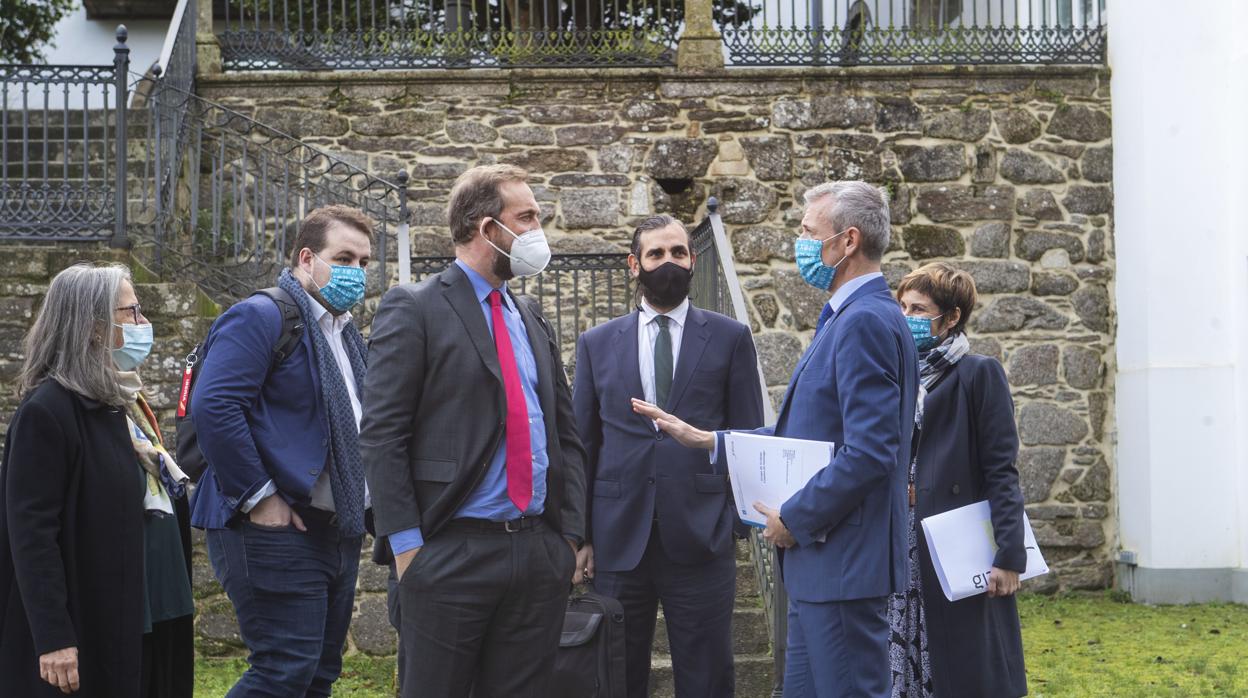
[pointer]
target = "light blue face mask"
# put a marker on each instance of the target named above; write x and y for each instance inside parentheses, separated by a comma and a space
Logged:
(809, 255)
(345, 287)
(921, 330)
(136, 346)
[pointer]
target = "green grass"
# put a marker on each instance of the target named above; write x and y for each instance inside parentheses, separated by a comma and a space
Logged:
(1095, 646)
(1078, 646)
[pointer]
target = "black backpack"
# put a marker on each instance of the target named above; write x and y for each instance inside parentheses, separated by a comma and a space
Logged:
(590, 660)
(189, 457)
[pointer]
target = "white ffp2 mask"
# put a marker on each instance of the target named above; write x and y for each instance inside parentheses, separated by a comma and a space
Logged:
(530, 253)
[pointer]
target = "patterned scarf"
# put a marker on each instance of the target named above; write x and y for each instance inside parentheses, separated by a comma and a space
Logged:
(161, 473)
(935, 362)
(346, 472)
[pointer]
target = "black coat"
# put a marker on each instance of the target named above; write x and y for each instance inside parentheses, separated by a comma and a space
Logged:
(71, 546)
(966, 454)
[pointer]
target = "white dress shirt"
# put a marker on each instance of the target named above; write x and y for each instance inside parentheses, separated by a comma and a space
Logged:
(648, 332)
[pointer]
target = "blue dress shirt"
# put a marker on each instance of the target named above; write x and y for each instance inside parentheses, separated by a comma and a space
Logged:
(490, 499)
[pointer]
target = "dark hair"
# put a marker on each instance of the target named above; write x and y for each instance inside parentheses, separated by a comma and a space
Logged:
(313, 228)
(947, 286)
(475, 195)
(655, 222)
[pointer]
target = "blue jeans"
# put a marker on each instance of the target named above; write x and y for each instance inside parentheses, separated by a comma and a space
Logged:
(293, 593)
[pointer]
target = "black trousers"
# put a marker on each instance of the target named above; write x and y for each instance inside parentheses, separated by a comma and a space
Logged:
(169, 659)
(480, 612)
(697, 608)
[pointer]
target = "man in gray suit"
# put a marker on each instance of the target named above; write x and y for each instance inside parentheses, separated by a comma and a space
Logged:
(471, 452)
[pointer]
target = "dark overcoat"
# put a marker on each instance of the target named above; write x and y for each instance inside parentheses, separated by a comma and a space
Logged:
(71, 546)
(967, 450)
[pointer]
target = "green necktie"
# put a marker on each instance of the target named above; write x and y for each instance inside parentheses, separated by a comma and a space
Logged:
(662, 362)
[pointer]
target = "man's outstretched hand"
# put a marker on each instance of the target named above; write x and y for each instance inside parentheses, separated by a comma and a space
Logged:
(688, 436)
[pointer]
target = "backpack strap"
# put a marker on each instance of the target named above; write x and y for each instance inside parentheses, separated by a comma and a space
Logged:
(292, 323)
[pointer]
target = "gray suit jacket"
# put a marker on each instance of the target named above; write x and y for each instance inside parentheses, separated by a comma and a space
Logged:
(434, 410)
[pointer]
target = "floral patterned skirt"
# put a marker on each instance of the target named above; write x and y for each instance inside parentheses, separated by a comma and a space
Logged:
(907, 639)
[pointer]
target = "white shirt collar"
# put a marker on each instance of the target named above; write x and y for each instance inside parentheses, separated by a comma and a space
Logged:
(677, 314)
(326, 319)
(844, 292)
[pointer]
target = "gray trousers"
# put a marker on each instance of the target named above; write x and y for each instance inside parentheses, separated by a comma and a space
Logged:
(480, 613)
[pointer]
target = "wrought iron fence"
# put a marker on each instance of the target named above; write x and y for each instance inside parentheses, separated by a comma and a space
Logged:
(370, 34)
(63, 137)
(912, 32)
(227, 214)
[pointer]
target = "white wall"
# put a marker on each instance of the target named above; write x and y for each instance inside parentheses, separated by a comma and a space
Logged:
(81, 41)
(1180, 168)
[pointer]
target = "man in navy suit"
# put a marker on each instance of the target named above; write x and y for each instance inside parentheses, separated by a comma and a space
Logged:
(283, 498)
(844, 534)
(660, 515)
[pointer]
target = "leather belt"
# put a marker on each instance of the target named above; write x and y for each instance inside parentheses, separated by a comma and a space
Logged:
(523, 523)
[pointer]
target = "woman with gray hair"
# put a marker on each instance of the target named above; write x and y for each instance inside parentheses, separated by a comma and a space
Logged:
(95, 595)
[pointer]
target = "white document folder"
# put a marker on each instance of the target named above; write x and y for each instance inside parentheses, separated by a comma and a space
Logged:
(769, 469)
(963, 547)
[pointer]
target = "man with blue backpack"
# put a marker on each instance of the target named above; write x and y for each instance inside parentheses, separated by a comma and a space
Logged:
(275, 406)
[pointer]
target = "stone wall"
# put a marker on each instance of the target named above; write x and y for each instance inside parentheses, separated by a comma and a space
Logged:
(1004, 171)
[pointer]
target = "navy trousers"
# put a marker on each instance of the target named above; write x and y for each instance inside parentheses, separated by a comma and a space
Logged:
(697, 608)
(838, 649)
(293, 593)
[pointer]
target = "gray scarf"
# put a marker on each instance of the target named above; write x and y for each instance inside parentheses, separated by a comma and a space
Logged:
(935, 363)
(346, 472)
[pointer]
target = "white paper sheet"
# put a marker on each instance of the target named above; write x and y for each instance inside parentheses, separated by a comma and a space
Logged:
(962, 548)
(769, 469)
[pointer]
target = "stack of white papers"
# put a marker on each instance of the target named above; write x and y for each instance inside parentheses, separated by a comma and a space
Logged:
(963, 547)
(770, 469)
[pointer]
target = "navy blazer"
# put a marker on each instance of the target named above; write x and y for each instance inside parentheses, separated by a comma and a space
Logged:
(255, 425)
(857, 386)
(633, 470)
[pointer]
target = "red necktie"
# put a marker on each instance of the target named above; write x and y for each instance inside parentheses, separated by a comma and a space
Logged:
(519, 448)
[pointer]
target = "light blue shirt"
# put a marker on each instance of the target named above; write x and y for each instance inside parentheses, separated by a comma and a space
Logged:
(490, 499)
(835, 302)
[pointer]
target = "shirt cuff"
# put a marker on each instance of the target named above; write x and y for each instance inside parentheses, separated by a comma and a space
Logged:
(403, 541)
(719, 436)
(268, 490)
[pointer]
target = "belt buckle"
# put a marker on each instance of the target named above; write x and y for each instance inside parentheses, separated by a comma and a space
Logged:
(507, 525)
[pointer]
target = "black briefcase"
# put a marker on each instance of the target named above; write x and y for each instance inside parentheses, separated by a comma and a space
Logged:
(590, 661)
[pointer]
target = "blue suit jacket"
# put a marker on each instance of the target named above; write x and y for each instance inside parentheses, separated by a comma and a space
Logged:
(857, 386)
(254, 425)
(632, 470)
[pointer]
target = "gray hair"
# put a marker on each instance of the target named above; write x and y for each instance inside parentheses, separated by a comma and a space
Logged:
(67, 342)
(856, 204)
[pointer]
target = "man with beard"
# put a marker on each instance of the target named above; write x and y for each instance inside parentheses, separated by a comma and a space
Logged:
(661, 516)
(471, 452)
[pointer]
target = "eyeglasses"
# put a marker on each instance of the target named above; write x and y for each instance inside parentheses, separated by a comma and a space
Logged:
(136, 309)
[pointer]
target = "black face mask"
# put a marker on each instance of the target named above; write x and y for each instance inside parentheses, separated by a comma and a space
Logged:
(665, 286)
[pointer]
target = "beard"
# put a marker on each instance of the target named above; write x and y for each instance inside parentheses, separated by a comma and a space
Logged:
(502, 266)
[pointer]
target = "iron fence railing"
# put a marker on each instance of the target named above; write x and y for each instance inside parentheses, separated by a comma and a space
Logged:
(63, 137)
(912, 32)
(227, 214)
(370, 34)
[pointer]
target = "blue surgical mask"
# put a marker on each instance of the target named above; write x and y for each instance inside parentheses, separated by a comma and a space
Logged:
(136, 345)
(345, 287)
(921, 330)
(809, 255)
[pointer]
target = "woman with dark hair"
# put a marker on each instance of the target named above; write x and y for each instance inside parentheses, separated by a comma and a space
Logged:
(95, 592)
(964, 448)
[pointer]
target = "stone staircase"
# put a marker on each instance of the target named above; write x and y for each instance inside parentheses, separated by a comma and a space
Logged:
(754, 669)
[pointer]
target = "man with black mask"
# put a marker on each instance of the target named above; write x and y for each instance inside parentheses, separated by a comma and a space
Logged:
(660, 517)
